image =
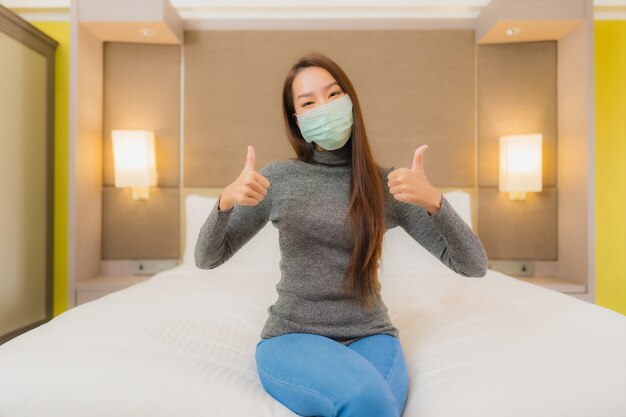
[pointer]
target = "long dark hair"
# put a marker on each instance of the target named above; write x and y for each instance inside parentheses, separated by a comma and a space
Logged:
(366, 207)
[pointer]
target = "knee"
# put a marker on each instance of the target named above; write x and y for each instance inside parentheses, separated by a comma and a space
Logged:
(367, 398)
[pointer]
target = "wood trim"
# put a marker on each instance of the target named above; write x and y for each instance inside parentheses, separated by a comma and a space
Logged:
(24, 32)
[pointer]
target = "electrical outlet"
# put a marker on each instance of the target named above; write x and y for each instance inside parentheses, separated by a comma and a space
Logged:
(514, 268)
(152, 266)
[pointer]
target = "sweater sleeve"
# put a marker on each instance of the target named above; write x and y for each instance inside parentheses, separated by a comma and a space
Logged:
(444, 234)
(224, 232)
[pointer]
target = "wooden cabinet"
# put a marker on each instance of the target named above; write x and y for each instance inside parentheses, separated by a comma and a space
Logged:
(575, 289)
(26, 175)
(94, 288)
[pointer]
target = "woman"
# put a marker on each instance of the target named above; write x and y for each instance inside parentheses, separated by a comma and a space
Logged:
(328, 347)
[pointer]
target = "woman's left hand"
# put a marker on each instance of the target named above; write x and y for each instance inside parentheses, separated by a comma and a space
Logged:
(411, 186)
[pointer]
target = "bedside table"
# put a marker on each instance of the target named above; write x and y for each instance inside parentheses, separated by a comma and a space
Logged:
(575, 289)
(94, 288)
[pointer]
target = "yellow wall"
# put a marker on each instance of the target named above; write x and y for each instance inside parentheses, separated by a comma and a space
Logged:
(60, 31)
(610, 84)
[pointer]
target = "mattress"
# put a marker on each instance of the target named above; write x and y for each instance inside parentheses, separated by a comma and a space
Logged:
(182, 344)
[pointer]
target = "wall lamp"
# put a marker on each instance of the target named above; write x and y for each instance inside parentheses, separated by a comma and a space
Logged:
(520, 165)
(134, 160)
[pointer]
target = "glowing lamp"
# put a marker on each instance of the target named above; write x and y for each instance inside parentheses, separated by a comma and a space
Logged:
(134, 161)
(520, 165)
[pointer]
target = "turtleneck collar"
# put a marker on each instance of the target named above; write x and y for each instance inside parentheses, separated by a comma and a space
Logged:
(341, 156)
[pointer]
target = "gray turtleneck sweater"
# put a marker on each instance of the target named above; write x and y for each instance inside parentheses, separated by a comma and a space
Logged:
(307, 202)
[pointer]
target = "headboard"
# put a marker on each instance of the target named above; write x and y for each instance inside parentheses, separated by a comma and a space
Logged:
(415, 87)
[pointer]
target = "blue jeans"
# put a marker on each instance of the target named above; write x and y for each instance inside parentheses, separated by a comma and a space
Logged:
(314, 375)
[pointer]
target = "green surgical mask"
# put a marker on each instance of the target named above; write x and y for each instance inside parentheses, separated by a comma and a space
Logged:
(329, 125)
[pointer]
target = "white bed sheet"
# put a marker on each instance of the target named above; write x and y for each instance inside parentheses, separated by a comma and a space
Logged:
(182, 344)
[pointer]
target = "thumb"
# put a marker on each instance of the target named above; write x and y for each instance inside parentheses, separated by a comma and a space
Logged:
(418, 158)
(250, 159)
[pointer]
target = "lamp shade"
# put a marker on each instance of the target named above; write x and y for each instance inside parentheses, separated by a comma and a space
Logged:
(520, 163)
(134, 158)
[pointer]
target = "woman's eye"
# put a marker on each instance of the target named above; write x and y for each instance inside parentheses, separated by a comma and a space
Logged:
(310, 102)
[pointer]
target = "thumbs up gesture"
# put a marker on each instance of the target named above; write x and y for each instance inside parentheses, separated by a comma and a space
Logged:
(248, 189)
(410, 185)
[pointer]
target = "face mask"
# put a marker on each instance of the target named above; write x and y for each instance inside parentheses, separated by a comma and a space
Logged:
(329, 125)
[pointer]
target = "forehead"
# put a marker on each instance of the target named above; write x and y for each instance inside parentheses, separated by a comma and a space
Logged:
(311, 79)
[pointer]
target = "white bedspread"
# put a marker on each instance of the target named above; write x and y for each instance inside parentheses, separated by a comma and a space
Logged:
(182, 344)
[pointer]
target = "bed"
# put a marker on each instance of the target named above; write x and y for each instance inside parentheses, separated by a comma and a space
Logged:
(182, 342)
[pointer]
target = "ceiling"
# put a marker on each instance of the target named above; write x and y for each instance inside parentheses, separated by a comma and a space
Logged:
(335, 14)
(194, 11)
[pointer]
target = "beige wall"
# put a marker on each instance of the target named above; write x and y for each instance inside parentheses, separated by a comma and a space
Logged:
(414, 87)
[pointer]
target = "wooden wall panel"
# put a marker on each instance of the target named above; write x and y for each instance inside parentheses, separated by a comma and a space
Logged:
(414, 87)
(517, 94)
(513, 230)
(140, 229)
(142, 91)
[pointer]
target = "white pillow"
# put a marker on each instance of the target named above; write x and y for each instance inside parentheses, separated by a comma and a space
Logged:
(197, 209)
(261, 253)
(460, 201)
(403, 254)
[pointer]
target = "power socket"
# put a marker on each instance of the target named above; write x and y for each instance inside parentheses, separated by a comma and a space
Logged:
(514, 268)
(152, 266)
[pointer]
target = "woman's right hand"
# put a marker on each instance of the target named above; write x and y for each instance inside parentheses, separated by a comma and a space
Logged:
(248, 189)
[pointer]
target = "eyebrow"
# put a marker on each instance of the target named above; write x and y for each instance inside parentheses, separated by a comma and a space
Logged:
(325, 88)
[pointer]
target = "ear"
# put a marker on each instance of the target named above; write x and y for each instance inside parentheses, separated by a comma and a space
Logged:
(294, 115)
